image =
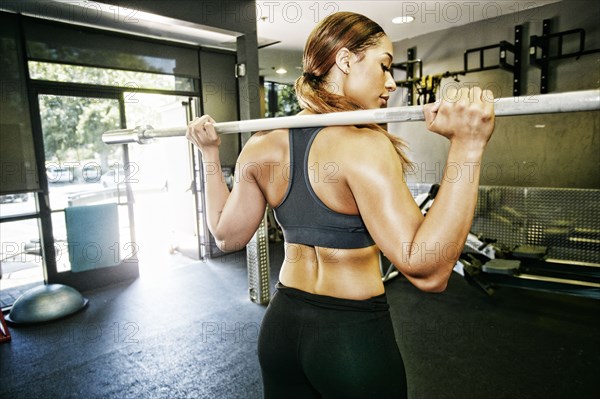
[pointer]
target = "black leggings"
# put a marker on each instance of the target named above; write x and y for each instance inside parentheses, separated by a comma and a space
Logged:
(315, 346)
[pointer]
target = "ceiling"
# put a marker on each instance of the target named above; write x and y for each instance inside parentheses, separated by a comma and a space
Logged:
(283, 26)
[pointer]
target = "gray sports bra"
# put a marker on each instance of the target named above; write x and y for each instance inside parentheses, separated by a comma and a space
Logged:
(303, 217)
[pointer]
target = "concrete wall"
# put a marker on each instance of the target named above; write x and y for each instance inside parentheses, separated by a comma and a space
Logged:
(564, 153)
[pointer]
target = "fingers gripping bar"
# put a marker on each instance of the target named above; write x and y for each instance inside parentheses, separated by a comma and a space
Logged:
(587, 100)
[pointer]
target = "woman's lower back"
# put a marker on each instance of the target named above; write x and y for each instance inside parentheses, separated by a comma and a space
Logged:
(340, 273)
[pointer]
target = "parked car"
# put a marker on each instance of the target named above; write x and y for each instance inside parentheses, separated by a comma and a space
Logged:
(8, 198)
(60, 174)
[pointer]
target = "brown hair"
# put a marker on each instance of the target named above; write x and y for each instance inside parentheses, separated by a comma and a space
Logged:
(343, 29)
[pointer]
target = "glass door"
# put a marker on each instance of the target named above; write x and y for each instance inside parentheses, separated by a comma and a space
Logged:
(88, 192)
(168, 231)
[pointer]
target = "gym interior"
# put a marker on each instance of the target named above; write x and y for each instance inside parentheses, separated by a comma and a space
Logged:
(111, 283)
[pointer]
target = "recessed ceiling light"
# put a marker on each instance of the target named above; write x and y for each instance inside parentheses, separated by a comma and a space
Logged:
(403, 19)
(281, 71)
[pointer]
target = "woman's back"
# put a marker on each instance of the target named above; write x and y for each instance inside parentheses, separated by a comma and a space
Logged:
(334, 270)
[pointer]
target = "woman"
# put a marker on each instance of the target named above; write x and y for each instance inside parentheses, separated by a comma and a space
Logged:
(327, 331)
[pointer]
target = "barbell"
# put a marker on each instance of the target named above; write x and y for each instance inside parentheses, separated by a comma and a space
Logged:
(574, 101)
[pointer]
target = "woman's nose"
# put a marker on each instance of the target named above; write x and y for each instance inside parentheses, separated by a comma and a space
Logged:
(390, 83)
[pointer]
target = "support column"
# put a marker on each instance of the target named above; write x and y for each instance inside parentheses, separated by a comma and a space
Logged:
(257, 250)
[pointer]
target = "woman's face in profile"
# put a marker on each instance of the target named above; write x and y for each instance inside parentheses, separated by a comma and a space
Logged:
(370, 81)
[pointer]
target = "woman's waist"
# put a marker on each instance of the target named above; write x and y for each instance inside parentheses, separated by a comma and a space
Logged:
(358, 278)
(371, 304)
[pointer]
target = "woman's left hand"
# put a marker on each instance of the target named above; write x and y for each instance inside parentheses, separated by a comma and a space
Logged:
(202, 133)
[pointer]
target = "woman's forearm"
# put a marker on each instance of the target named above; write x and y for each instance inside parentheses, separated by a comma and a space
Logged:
(440, 238)
(216, 190)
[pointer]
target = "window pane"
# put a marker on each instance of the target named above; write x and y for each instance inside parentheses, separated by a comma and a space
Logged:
(21, 264)
(59, 232)
(108, 77)
(17, 204)
(287, 103)
(163, 183)
(265, 95)
(280, 100)
(78, 163)
(153, 163)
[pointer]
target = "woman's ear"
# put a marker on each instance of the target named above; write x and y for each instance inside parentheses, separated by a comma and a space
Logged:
(342, 60)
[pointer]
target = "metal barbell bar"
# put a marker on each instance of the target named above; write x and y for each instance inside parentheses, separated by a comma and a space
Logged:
(573, 101)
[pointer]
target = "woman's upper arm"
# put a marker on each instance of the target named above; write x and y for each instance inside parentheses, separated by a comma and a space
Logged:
(245, 207)
(385, 203)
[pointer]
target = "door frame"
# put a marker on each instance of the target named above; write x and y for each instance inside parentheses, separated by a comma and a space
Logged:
(128, 269)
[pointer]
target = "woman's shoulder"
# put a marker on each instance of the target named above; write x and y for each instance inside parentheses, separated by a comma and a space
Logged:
(266, 143)
(354, 138)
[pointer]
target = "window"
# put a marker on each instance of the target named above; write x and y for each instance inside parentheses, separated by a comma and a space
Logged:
(280, 100)
(132, 80)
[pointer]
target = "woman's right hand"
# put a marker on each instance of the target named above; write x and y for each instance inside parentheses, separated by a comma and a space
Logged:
(466, 118)
(202, 133)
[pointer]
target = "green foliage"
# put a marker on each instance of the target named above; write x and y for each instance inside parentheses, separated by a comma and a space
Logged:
(73, 126)
(287, 104)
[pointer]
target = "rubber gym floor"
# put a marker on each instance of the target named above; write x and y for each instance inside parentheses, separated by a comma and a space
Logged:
(193, 335)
